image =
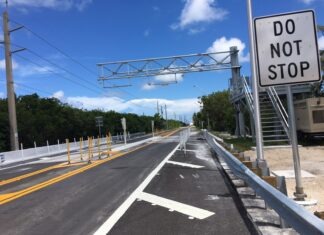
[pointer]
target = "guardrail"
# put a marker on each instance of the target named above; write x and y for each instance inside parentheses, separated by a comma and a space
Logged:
(295, 215)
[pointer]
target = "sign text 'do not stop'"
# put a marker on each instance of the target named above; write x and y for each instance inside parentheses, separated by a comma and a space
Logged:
(286, 48)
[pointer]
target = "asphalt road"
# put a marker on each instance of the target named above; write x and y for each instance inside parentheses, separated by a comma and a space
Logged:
(116, 195)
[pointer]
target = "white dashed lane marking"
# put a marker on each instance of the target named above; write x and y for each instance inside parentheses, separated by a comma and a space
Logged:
(191, 211)
(185, 164)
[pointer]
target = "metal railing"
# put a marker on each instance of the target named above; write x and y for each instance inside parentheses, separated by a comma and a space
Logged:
(56, 149)
(279, 108)
(295, 215)
(183, 138)
(248, 95)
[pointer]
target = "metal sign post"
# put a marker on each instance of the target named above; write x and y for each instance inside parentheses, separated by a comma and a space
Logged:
(287, 53)
(123, 121)
(257, 119)
(152, 123)
(99, 124)
(299, 194)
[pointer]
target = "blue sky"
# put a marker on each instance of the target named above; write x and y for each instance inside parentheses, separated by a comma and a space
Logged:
(95, 31)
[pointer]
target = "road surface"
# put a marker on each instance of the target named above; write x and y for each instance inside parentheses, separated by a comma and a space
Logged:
(152, 189)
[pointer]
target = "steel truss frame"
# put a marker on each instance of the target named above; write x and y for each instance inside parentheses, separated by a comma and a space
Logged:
(160, 66)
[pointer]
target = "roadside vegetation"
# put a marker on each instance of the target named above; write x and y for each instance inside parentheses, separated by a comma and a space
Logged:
(241, 144)
(217, 111)
(41, 119)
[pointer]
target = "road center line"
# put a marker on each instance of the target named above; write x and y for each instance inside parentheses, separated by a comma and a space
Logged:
(113, 219)
(184, 164)
(176, 206)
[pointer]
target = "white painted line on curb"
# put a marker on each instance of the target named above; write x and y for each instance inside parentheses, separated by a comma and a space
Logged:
(112, 220)
(191, 211)
(184, 164)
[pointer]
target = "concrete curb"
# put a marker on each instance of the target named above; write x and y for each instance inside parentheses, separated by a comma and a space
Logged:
(266, 220)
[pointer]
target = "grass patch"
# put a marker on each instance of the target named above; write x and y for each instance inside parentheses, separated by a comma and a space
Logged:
(241, 144)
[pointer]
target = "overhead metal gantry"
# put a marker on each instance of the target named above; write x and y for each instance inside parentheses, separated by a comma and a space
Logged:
(175, 65)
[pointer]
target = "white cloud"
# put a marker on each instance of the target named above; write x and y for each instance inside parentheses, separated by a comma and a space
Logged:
(156, 8)
(223, 44)
(3, 64)
(199, 11)
(2, 95)
(148, 86)
(147, 33)
(148, 106)
(58, 95)
(321, 42)
(51, 4)
(307, 1)
(23, 70)
(196, 30)
(169, 78)
(32, 70)
(163, 80)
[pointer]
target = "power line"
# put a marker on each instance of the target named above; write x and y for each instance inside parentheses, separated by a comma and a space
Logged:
(55, 73)
(66, 55)
(61, 68)
(64, 69)
(57, 66)
(55, 47)
(32, 88)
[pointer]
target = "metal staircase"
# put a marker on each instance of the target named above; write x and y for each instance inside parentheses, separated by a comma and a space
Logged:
(274, 126)
(274, 117)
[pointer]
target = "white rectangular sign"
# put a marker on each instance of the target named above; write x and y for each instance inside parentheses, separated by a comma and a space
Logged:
(286, 49)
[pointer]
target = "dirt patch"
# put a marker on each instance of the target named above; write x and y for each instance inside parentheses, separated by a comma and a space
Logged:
(311, 160)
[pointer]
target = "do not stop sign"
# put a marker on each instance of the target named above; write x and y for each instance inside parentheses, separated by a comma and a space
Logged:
(286, 49)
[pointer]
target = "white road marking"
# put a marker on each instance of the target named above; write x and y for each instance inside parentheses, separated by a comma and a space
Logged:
(181, 176)
(185, 164)
(186, 209)
(112, 220)
(196, 176)
(188, 150)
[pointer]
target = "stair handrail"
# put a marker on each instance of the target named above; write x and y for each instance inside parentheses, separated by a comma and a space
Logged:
(248, 95)
(279, 108)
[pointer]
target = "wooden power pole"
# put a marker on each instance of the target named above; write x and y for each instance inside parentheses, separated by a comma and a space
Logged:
(14, 144)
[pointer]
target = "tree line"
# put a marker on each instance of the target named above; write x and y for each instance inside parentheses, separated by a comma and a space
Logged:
(216, 113)
(48, 119)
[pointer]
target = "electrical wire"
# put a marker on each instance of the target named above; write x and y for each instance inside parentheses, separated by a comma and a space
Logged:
(55, 47)
(65, 54)
(32, 88)
(55, 73)
(64, 69)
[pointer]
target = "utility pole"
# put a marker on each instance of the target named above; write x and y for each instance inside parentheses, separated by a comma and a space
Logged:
(14, 144)
(157, 107)
(166, 116)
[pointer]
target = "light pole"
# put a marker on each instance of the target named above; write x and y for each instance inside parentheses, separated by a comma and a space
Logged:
(99, 124)
(202, 104)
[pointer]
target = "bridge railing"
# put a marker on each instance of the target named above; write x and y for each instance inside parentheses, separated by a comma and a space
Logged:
(56, 149)
(295, 215)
